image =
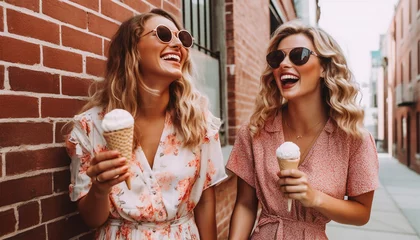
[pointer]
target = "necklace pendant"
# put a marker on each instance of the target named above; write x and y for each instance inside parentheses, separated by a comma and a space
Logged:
(298, 137)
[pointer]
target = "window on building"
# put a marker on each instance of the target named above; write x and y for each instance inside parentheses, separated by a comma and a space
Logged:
(402, 23)
(409, 11)
(197, 19)
(418, 131)
(395, 137)
(275, 20)
(409, 67)
(375, 100)
(402, 74)
(418, 56)
(204, 20)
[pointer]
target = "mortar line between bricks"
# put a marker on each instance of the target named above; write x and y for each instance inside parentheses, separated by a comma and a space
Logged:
(6, 82)
(84, 63)
(51, 45)
(33, 173)
(35, 120)
(16, 213)
(39, 107)
(38, 199)
(45, 95)
(39, 67)
(125, 6)
(54, 128)
(29, 147)
(5, 28)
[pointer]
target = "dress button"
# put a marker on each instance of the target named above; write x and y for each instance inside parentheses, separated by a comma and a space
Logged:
(154, 192)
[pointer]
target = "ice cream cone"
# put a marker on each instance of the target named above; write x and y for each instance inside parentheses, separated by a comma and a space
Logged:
(286, 164)
(121, 140)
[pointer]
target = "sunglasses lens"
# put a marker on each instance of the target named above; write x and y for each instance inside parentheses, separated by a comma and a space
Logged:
(299, 56)
(164, 34)
(274, 58)
(185, 38)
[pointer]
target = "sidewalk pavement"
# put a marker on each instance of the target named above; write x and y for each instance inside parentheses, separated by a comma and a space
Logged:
(395, 210)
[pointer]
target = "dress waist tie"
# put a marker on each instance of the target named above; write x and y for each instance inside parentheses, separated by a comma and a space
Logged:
(152, 225)
(267, 219)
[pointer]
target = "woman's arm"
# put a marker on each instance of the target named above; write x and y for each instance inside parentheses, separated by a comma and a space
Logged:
(356, 210)
(205, 215)
(244, 212)
(105, 167)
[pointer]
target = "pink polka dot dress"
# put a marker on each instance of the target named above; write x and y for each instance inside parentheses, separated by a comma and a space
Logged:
(337, 164)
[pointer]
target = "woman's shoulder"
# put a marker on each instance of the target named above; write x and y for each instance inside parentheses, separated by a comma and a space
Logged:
(93, 114)
(354, 142)
(213, 123)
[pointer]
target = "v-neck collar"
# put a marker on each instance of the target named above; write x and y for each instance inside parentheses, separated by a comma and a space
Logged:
(275, 124)
(167, 128)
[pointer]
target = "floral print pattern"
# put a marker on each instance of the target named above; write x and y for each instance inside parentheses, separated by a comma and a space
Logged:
(162, 199)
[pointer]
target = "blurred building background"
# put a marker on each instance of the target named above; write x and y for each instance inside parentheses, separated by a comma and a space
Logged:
(398, 118)
(52, 50)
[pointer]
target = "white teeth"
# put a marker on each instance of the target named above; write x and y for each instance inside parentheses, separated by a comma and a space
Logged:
(172, 57)
(288, 76)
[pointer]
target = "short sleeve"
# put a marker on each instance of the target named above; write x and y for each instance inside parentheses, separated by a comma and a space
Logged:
(363, 174)
(241, 160)
(80, 150)
(211, 152)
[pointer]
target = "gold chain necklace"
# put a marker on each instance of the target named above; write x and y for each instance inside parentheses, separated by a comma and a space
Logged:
(301, 136)
(314, 138)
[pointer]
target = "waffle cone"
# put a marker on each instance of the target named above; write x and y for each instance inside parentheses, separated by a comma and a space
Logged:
(121, 140)
(285, 164)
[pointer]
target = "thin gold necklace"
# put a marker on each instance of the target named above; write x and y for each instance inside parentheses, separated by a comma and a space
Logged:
(301, 136)
(306, 151)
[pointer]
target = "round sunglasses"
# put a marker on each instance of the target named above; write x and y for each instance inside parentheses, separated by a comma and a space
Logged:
(164, 34)
(298, 56)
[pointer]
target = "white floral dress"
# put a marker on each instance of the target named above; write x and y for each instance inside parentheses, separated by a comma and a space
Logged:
(161, 200)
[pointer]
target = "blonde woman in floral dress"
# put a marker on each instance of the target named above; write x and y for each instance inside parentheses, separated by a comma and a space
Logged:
(177, 155)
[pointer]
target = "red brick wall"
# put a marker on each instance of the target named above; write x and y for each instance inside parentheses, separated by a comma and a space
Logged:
(50, 51)
(247, 38)
(225, 200)
(407, 35)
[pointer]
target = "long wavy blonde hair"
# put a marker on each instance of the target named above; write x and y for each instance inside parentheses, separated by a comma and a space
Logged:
(339, 91)
(123, 78)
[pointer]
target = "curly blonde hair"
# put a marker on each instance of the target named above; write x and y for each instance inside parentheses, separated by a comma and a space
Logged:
(340, 89)
(120, 88)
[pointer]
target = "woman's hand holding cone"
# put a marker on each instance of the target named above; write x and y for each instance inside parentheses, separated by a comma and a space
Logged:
(294, 185)
(106, 170)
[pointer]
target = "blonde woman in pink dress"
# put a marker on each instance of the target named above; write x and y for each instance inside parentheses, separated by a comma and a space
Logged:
(307, 97)
(177, 155)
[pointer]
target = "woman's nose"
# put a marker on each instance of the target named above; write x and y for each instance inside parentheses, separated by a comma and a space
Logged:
(286, 62)
(175, 42)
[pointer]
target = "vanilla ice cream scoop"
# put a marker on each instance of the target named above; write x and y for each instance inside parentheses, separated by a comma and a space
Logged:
(288, 150)
(117, 119)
